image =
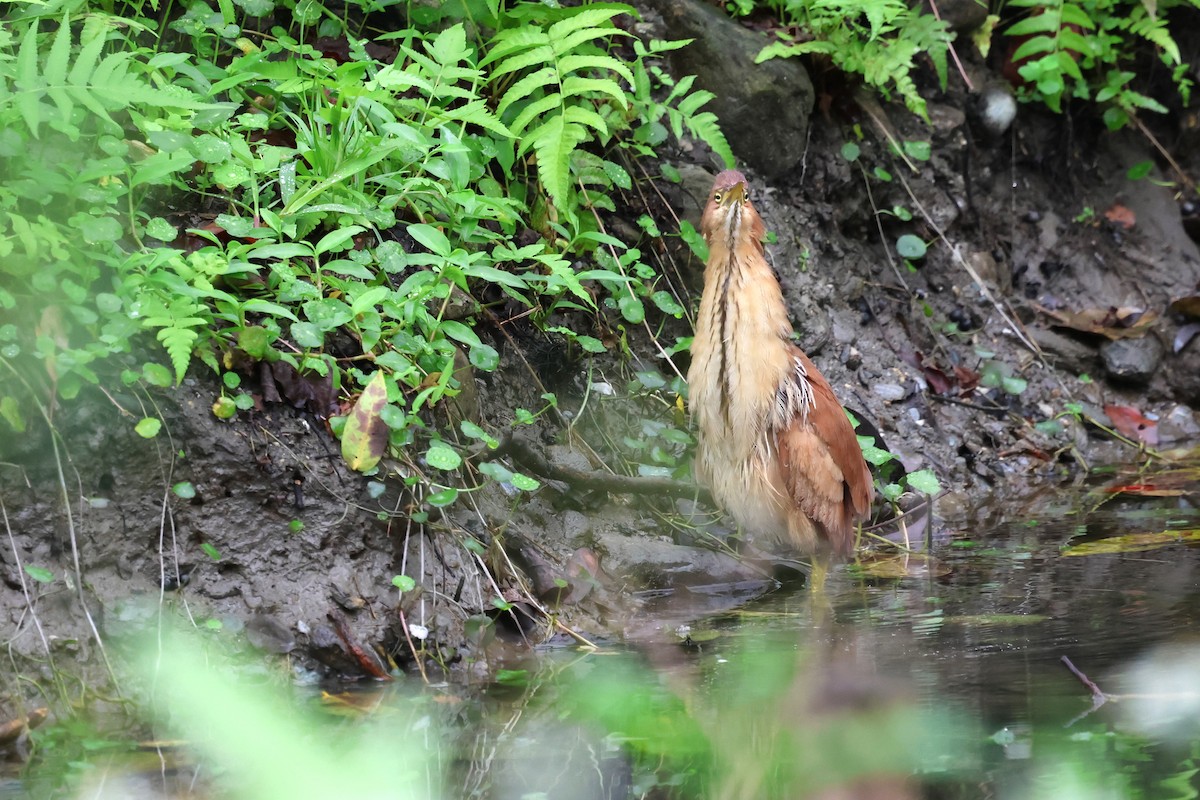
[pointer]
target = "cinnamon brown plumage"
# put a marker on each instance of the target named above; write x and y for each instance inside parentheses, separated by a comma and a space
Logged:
(775, 447)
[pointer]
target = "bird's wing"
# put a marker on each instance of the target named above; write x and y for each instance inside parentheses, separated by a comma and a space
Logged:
(821, 463)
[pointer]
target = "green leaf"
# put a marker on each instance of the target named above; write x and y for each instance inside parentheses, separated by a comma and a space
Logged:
(365, 436)
(210, 551)
(224, 408)
(1014, 385)
(524, 482)
(923, 480)
(631, 308)
(10, 409)
(156, 374)
(443, 498)
(590, 344)
(306, 335)
(255, 341)
(441, 456)
(39, 574)
(184, 489)
(484, 357)
(148, 427)
(471, 429)
(336, 240)
(404, 583)
(911, 247)
(1140, 170)
(875, 456)
(432, 238)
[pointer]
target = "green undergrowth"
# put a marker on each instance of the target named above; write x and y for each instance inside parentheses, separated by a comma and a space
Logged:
(315, 196)
(1104, 52)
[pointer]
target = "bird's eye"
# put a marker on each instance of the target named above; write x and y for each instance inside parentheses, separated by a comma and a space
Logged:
(717, 196)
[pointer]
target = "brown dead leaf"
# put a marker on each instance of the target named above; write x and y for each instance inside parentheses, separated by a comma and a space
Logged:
(1130, 423)
(1112, 323)
(1145, 490)
(904, 565)
(1188, 306)
(11, 730)
(1174, 482)
(968, 379)
(1121, 215)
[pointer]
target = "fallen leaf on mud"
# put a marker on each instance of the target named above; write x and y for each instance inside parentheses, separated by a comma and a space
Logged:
(1133, 543)
(1188, 306)
(939, 381)
(361, 701)
(1129, 422)
(968, 379)
(1120, 215)
(365, 436)
(1112, 323)
(11, 730)
(1174, 482)
(309, 391)
(905, 565)
(1145, 490)
(1184, 335)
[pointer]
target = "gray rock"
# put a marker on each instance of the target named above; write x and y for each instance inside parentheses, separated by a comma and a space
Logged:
(575, 526)
(1064, 352)
(891, 392)
(1132, 360)
(1180, 425)
(763, 108)
(961, 15)
(1183, 375)
(660, 563)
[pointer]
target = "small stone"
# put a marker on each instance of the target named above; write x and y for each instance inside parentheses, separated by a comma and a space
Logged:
(891, 392)
(1183, 375)
(1064, 352)
(1132, 360)
(1180, 424)
(575, 525)
(562, 456)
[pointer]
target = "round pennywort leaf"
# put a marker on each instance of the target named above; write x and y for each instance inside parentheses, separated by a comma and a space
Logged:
(442, 457)
(911, 247)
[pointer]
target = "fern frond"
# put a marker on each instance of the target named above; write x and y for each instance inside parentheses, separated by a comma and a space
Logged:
(562, 74)
(705, 127)
(554, 142)
(178, 343)
(101, 85)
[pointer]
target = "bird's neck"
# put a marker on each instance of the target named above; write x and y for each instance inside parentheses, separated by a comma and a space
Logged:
(743, 335)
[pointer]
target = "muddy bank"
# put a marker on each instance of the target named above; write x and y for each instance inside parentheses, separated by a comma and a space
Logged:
(281, 545)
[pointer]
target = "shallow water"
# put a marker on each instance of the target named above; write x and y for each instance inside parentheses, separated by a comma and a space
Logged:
(949, 683)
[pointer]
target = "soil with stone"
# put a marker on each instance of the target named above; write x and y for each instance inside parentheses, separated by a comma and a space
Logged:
(1010, 244)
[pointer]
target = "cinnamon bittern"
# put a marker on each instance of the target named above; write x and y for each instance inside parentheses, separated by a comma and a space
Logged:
(775, 447)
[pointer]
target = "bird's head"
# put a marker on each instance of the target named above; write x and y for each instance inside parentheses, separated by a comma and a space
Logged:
(729, 212)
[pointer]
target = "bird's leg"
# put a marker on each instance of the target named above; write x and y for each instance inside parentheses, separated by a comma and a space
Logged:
(820, 571)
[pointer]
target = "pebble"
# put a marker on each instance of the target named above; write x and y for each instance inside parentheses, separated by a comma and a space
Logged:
(890, 392)
(1132, 360)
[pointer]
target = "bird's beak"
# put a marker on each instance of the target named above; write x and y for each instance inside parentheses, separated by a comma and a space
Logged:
(734, 195)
